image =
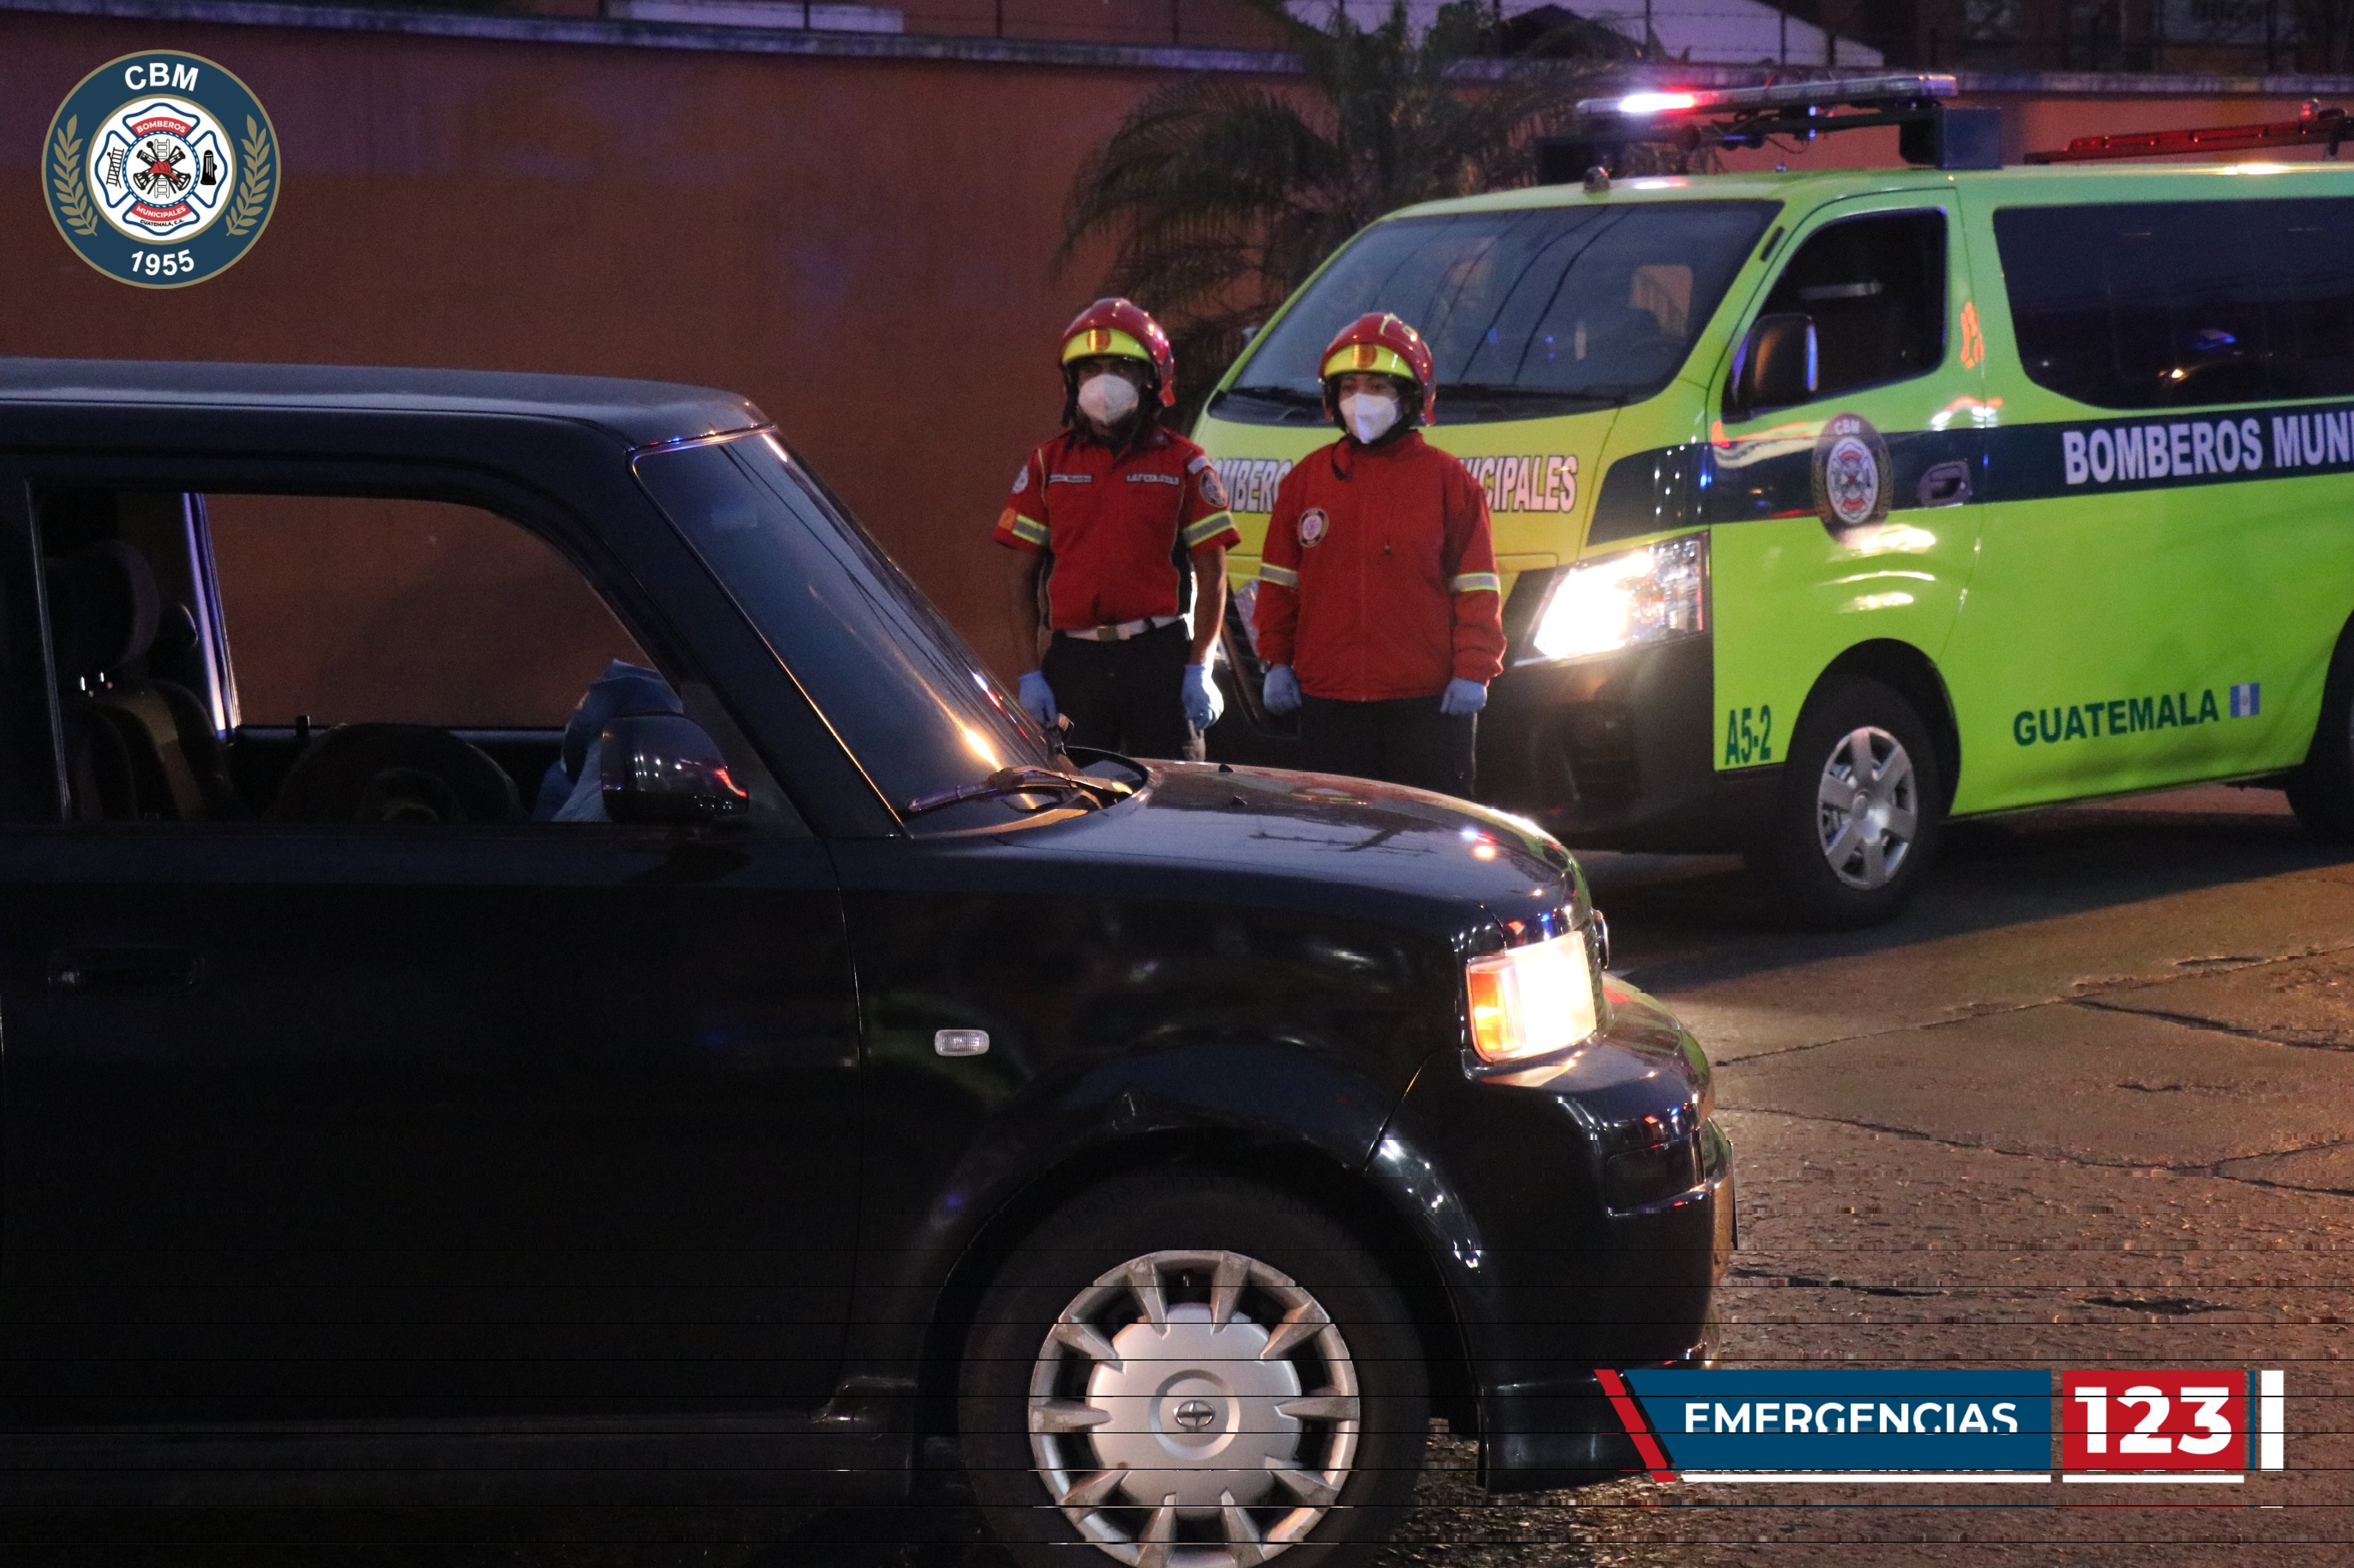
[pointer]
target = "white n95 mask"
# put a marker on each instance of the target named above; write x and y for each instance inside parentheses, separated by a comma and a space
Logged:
(1107, 398)
(1370, 415)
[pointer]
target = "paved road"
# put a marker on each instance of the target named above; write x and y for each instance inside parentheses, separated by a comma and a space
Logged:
(2090, 1101)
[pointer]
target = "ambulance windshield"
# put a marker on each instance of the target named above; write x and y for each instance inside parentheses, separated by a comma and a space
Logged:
(1532, 311)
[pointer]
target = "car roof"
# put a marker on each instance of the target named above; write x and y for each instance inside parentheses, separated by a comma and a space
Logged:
(640, 412)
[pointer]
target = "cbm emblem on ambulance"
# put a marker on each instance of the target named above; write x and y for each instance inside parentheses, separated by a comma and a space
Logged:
(162, 169)
(1851, 473)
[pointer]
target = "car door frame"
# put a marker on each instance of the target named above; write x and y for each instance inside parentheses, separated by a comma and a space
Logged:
(689, 639)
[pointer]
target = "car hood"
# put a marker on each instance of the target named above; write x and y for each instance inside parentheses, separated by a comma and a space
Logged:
(1320, 841)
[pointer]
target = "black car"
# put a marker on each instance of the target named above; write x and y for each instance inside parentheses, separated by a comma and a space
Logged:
(795, 1073)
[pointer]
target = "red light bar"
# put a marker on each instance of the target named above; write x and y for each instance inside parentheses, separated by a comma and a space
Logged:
(1930, 130)
(2314, 125)
(1847, 90)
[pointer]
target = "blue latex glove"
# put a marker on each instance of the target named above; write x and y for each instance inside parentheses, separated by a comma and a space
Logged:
(1038, 699)
(1204, 701)
(1281, 692)
(1462, 698)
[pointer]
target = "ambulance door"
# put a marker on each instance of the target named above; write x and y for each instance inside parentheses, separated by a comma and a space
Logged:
(2159, 588)
(1843, 515)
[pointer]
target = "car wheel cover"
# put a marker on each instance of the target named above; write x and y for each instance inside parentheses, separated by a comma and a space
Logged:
(1194, 1410)
(1867, 808)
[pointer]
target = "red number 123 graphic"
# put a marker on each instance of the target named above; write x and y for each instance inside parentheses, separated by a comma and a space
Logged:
(2142, 1420)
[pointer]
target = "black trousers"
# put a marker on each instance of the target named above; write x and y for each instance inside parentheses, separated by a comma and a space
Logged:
(1405, 740)
(1126, 696)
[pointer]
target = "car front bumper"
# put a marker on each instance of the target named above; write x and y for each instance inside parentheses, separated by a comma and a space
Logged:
(1553, 1266)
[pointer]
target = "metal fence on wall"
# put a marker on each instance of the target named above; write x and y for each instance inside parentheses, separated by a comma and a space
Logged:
(2225, 37)
(1184, 24)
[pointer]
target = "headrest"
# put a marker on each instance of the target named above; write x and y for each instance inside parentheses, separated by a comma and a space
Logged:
(103, 607)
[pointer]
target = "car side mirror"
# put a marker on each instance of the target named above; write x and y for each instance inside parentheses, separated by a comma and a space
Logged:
(663, 770)
(1778, 364)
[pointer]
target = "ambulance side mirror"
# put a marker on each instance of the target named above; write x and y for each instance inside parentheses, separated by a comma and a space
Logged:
(1778, 364)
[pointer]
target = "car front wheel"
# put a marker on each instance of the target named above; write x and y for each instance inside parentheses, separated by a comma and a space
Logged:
(1857, 821)
(1189, 1369)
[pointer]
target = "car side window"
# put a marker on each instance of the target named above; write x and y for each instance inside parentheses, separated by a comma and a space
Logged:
(1875, 289)
(328, 658)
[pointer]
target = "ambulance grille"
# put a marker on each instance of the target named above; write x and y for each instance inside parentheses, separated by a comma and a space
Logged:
(1596, 743)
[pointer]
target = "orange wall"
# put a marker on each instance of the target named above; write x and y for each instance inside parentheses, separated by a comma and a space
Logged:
(863, 246)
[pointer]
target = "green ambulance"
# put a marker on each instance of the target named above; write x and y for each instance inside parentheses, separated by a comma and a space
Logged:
(1834, 505)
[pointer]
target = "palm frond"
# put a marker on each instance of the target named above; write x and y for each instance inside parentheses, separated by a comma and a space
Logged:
(1221, 196)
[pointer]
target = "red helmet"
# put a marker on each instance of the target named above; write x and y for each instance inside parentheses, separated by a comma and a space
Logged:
(1121, 327)
(1379, 343)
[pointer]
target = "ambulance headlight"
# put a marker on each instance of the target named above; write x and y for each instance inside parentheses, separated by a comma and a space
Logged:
(1532, 1001)
(1642, 595)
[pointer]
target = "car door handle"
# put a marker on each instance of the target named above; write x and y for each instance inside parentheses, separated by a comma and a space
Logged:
(124, 971)
(1946, 484)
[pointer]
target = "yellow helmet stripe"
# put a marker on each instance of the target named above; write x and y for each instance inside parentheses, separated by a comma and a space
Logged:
(1370, 356)
(1104, 340)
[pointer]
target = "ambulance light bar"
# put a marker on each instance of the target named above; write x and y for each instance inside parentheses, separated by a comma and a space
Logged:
(2313, 124)
(1858, 92)
(1930, 130)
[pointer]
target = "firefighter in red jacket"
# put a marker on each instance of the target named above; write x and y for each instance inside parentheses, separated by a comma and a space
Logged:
(1131, 525)
(1380, 613)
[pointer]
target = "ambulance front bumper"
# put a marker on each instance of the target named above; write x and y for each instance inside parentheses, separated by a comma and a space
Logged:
(1615, 751)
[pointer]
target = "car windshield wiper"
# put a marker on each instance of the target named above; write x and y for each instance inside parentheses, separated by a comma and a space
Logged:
(1023, 779)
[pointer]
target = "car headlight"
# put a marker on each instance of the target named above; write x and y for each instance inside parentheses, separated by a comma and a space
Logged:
(1642, 596)
(1532, 1001)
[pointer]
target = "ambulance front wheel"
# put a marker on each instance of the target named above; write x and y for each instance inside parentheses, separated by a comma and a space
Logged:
(2321, 792)
(1856, 824)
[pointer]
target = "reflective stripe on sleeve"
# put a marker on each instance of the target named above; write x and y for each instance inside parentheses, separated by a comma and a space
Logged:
(1476, 582)
(1025, 529)
(1209, 527)
(1281, 576)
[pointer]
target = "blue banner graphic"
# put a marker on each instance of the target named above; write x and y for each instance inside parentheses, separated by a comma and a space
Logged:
(1887, 1420)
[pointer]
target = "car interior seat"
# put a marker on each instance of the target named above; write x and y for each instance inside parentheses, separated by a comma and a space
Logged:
(136, 747)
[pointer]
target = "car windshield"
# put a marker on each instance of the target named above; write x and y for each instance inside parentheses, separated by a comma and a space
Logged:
(1538, 311)
(919, 712)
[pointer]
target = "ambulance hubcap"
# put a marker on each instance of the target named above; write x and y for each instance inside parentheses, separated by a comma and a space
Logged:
(1194, 1410)
(1867, 809)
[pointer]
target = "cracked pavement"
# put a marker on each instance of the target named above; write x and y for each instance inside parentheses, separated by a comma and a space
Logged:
(2090, 1103)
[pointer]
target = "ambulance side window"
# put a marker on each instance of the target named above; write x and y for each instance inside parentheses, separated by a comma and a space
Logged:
(2161, 305)
(1875, 288)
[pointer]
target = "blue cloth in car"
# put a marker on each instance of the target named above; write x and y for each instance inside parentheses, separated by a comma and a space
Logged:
(623, 688)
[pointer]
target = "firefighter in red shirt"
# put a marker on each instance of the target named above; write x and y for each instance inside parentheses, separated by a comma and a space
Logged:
(1380, 613)
(1131, 525)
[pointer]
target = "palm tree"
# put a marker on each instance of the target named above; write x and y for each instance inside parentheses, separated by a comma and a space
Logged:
(1222, 196)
